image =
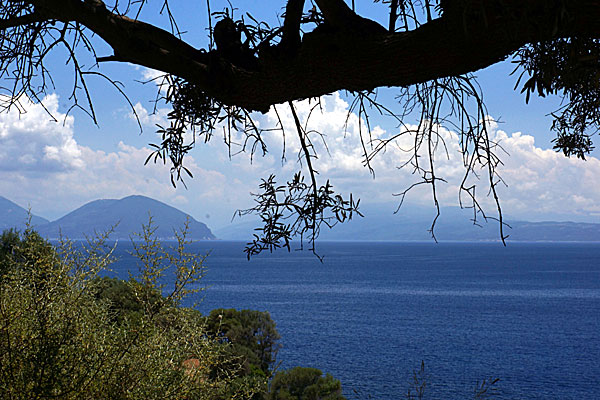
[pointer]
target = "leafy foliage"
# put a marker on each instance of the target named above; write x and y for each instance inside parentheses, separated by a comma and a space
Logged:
(569, 67)
(305, 384)
(296, 209)
(9, 245)
(252, 335)
(59, 337)
(123, 304)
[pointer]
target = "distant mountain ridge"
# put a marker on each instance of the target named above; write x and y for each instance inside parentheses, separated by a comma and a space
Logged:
(454, 224)
(14, 216)
(128, 214)
(124, 216)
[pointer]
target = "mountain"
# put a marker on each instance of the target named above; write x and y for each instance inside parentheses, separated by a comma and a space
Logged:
(379, 223)
(127, 215)
(15, 216)
(412, 224)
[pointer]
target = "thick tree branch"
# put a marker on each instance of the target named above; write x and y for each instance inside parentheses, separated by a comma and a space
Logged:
(22, 20)
(132, 41)
(336, 12)
(290, 40)
(482, 34)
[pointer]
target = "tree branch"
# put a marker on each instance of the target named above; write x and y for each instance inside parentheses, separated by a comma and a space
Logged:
(22, 20)
(336, 12)
(132, 41)
(291, 26)
(354, 58)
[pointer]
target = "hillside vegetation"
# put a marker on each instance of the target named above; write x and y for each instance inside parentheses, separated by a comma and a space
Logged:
(69, 333)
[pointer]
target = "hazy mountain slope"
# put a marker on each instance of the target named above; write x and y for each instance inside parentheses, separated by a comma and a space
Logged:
(14, 216)
(380, 223)
(128, 214)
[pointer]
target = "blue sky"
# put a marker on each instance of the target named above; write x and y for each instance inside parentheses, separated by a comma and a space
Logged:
(56, 167)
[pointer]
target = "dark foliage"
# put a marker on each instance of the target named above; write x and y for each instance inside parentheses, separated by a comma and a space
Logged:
(23, 251)
(123, 301)
(305, 384)
(252, 335)
(296, 209)
(9, 245)
(571, 68)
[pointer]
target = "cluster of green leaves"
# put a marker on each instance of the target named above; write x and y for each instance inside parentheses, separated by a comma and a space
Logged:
(123, 303)
(252, 334)
(569, 67)
(305, 384)
(9, 241)
(62, 335)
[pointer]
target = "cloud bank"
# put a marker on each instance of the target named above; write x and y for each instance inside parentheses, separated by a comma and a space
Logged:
(540, 183)
(42, 164)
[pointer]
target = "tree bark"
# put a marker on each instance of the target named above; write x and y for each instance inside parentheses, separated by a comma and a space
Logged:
(482, 33)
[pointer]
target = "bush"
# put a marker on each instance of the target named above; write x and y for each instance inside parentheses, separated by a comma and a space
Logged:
(252, 335)
(121, 298)
(305, 384)
(67, 333)
(62, 334)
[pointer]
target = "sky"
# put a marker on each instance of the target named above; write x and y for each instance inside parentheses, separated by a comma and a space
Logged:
(55, 167)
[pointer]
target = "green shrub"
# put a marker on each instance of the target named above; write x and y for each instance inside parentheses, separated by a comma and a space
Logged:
(65, 333)
(121, 298)
(252, 335)
(305, 384)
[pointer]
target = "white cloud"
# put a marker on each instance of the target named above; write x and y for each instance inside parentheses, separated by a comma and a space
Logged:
(149, 119)
(543, 181)
(540, 181)
(34, 141)
(42, 164)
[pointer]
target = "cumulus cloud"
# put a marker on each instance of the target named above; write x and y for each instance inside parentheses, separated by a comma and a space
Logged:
(538, 181)
(543, 181)
(42, 164)
(33, 140)
(150, 119)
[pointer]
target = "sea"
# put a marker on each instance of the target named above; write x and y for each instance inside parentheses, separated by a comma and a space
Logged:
(372, 313)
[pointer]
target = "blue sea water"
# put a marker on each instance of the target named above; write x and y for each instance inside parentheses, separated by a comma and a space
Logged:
(528, 313)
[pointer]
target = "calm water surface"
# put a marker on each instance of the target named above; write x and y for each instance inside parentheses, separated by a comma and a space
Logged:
(528, 314)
